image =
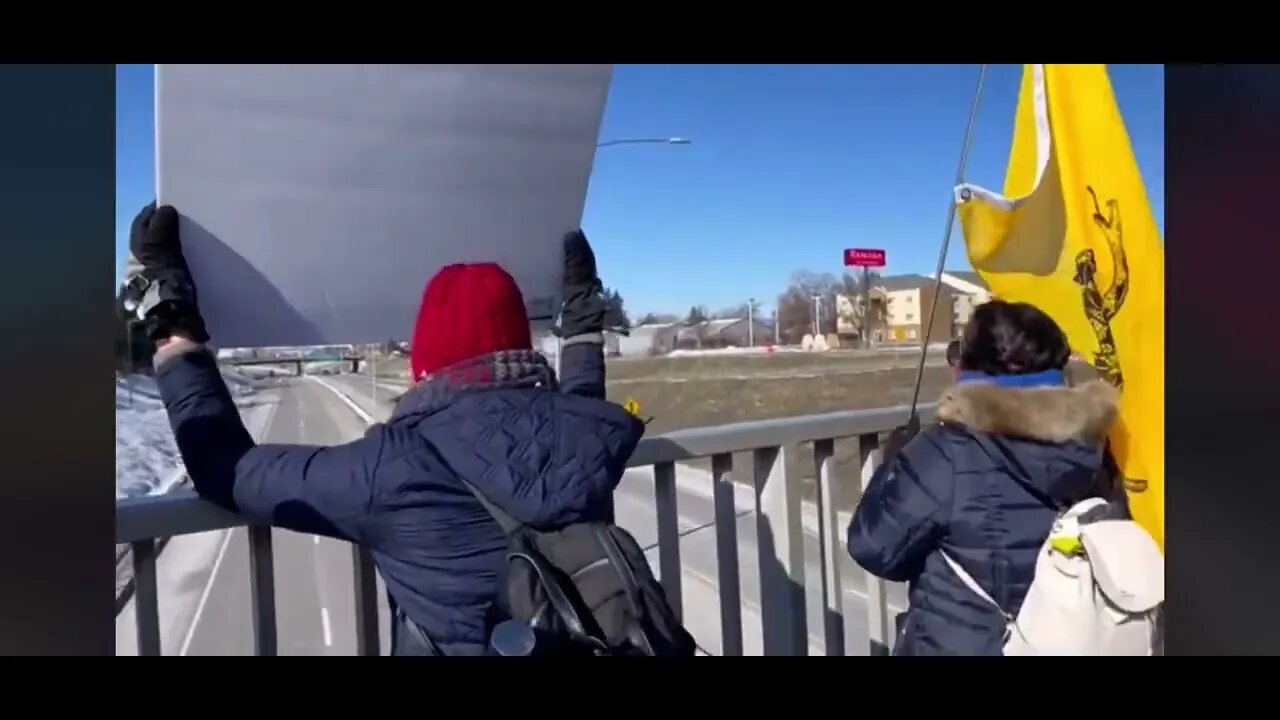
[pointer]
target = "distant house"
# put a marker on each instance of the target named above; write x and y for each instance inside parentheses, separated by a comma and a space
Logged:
(969, 291)
(743, 333)
(908, 299)
(694, 337)
(649, 340)
(725, 332)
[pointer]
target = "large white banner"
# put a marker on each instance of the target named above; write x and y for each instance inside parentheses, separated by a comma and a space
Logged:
(318, 199)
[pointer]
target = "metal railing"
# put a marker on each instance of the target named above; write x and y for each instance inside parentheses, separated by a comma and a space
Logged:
(143, 522)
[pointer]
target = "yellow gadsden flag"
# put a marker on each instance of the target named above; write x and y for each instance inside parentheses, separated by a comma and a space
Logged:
(1074, 235)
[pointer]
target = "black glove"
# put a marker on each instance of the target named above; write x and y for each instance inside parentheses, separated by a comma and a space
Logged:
(159, 282)
(585, 308)
(900, 437)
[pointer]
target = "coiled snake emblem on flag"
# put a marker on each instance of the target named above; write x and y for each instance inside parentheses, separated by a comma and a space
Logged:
(1102, 307)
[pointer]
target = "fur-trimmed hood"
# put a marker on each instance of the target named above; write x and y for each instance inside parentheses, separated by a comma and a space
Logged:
(1081, 414)
(1048, 439)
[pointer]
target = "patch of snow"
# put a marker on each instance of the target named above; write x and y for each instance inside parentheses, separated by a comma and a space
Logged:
(147, 459)
(884, 348)
(712, 352)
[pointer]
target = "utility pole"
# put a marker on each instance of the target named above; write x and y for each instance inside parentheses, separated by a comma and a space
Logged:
(866, 307)
(751, 322)
(817, 312)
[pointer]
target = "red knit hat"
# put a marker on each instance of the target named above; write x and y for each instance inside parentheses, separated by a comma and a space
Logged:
(467, 311)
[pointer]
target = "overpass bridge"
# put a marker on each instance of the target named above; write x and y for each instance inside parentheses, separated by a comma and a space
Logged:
(351, 361)
(754, 567)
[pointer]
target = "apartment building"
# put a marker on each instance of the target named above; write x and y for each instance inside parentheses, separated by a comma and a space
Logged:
(907, 302)
(969, 291)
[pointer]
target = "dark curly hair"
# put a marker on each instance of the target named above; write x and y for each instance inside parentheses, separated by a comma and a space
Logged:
(1012, 338)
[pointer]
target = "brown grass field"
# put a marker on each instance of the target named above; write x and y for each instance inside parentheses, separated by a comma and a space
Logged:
(692, 391)
(684, 392)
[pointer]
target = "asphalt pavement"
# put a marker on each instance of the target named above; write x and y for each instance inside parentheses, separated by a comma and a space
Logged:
(314, 576)
(636, 511)
(314, 579)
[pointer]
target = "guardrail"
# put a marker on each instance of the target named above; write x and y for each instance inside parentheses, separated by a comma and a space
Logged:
(141, 522)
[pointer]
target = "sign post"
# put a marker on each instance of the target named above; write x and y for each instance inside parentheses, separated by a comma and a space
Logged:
(865, 258)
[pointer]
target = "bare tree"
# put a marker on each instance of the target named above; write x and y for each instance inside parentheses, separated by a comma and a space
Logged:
(697, 314)
(852, 287)
(659, 319)
(731, 313)
(796, 305)
(616, 315)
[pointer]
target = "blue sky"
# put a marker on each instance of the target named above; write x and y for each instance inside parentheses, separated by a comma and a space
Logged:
(789, 165)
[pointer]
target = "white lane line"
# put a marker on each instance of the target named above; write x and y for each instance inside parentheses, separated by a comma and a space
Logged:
(359, 411)
(366, 417)
(269, 418)
(324, 623)
(204, 596)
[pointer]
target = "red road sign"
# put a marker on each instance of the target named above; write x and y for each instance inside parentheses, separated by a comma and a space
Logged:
(863, 257)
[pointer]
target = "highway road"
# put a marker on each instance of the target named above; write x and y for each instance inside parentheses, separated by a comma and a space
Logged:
(635, 511)
(315, 581)
(205, 581)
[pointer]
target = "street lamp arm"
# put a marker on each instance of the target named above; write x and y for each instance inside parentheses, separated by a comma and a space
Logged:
(636, 141)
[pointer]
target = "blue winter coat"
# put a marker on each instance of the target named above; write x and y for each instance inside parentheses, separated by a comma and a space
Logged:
(985, 485)
(548, 457)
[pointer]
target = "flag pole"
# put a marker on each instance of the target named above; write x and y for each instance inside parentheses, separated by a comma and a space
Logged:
(946, 239)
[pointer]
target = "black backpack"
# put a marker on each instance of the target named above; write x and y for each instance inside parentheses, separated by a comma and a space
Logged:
(585, 589)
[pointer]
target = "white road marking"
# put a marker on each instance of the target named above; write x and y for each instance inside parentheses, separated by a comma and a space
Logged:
(850, 591)
(204, 596)
(324, 624)
(359, 411)
(269, 417)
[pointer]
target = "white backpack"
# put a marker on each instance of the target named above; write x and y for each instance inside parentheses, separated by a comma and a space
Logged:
(1098, 589)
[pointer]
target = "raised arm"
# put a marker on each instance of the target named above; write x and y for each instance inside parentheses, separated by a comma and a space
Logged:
(318, 490)
(582, 370)
(310, 489)
(583, 320)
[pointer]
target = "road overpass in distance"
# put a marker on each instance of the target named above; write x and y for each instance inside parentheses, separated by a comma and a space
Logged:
(350, 361)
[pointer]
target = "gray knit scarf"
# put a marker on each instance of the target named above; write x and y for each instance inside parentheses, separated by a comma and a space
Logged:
(504, 369)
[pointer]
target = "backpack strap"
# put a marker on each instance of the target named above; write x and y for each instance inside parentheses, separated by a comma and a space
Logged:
(1065, 531)
(508, 523)
(556, 595)
(973, 585)
(630, 585)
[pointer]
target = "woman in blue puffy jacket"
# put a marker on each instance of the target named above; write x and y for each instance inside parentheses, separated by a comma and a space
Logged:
(486, 410)
(1015, 445)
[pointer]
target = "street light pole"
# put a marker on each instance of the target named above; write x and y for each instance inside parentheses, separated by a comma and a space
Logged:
(751, 322)
(611, 143)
